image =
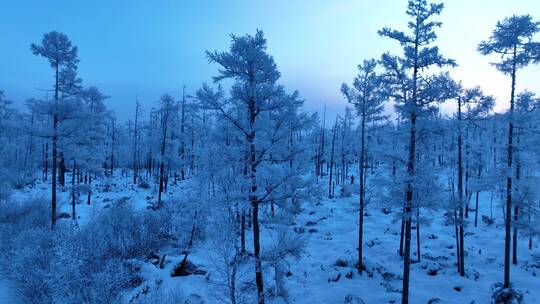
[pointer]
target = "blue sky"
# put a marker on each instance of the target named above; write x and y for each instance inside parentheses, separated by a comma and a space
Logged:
(148, 48)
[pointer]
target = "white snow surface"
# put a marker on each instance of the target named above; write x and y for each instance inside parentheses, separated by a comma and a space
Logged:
(331, 230)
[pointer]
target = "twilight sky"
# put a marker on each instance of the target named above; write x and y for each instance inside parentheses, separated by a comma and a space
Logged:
(147, 48)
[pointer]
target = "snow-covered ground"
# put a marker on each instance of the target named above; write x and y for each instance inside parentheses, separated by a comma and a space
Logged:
(336, 238)
(331, 231)
(7, 294)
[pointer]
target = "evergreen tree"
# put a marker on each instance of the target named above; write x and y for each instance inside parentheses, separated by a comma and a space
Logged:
(368, 98)
(418, 56)
(62, 56)
(512, 40)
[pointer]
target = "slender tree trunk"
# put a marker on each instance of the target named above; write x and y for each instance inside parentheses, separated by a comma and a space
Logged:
(530, 229)
(362, 191)
(112, 148)
(467, 194)
(232, 279)
(408, 210)
(323, 137)
(161, 179)
(477, 195)
(182, 136)
(62, 176)
(476, 212)
(254, 200)
(54, 151)
(136, 145)
(162, 161)
(257, 251)
(515, 236)
(406, 261)
(458, 252)
(192, 148)
(508, 215)
(461, 244)
(461, 252)
(516, 209)
(46, 162)
(243, 233)
(89, 189)
(330, 194)
(402, 236)
(418, 234)
(73, 215)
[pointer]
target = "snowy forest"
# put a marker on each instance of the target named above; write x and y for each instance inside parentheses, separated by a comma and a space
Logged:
(232, 192)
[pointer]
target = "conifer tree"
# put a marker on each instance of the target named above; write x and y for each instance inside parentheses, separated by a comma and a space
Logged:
(512, 40)
(418, 55)
(62, 56)
(368, 98)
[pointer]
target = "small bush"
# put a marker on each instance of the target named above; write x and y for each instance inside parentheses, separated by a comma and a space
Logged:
(505, 295)
(346, 190)
(94, 264)
(143, 184)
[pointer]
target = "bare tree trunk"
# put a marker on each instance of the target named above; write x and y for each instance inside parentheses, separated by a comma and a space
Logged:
(73, 215)
(54, 151)
(192, 148)
(401, 237)
(530, 229)
(408, 210)
(476, 212)
(243, 233)
(476, 200)
(136, 145)
(165, 118)
(514, 237)
(461, 252)
(182, 137)
(516, 210)
(161, 179)
(46, 162)
(458, 252)
(323, 137)
(418, 234)
(62, 176)
(112, 147)
(508, 215)
(232, 279)
(254, 200)
(330, 195)
(89, 189)
(362, 191)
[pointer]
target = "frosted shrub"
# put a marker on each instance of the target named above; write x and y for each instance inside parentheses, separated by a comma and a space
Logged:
(505, 295)
(92, 265)
(26, 244)
(346, 190)
(123, 233)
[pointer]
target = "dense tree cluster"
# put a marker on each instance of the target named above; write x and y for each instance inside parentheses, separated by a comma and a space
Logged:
(251, 156)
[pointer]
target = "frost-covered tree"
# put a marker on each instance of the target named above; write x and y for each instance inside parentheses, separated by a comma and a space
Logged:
(419, 55)
(16, 148)
(62, 56)
(266, 117)
(368, 98)
(471, 105)
(512, 41)
(90, 151)
(167, 111)
(527, 127)
(136, 142)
